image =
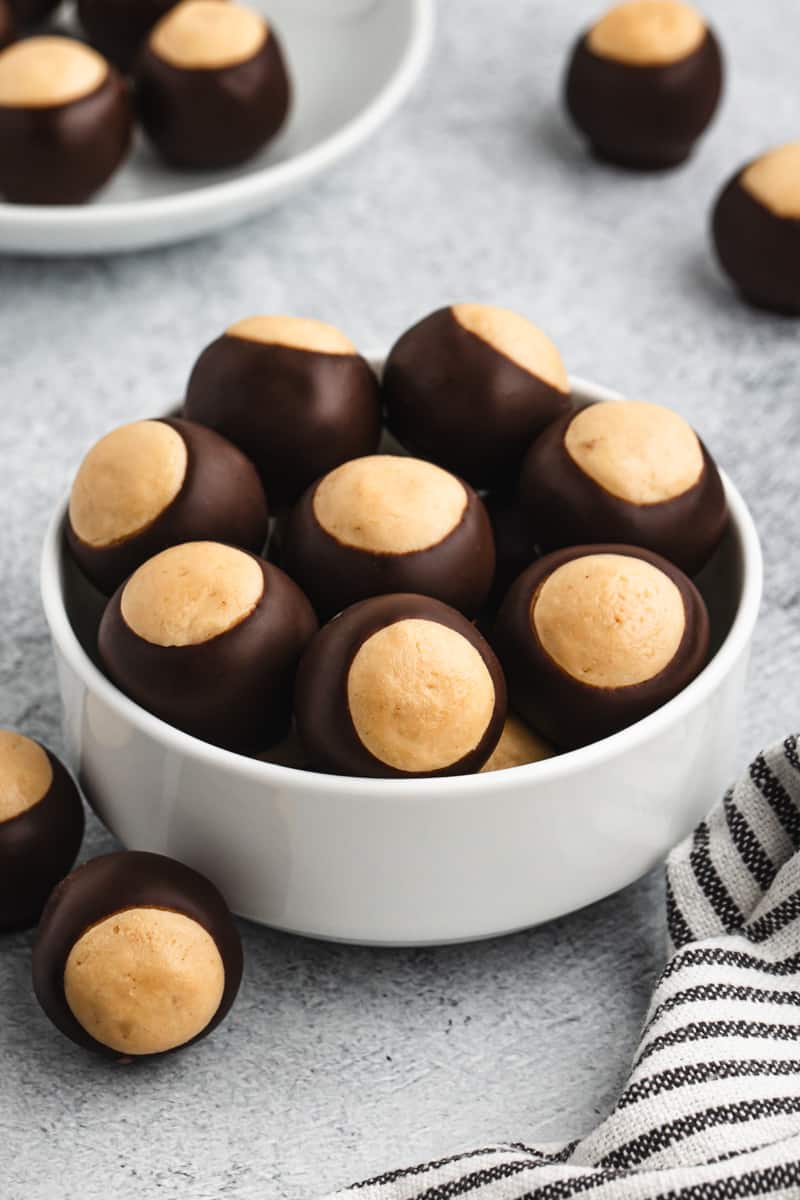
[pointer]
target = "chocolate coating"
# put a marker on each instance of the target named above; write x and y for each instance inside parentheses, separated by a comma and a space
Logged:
(8, 30)
(566, 711)
(458, 570)
(221, 500)
(118, 29)
(65, 153)
(111, 884)
(234, 690)
(38, 848)
(210, 119)
(296, 413)
(322, 713)
(758, 249)
(32, 12)
(516, 543)
(456, 400)
(570, 508)
(644, 117)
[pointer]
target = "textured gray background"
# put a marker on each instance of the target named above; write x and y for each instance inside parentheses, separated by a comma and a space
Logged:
(337, 1062)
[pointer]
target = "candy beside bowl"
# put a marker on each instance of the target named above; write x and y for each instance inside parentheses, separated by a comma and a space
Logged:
(399, 861)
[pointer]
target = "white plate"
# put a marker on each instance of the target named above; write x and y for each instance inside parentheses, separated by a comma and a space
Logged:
(352, 65)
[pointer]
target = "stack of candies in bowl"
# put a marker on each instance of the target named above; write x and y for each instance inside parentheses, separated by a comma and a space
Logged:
(450, 568)
(209, 86)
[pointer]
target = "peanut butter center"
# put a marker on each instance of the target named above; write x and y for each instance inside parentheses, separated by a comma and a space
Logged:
(144, 980)
(609, 620)
(420, 695)
(387, 504)
(189, 594)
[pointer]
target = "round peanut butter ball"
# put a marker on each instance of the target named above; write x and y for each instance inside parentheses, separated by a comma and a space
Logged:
(469, 387)
(119, 28)
(384, 524)
(593, 638)
(208, 638)
(41, 827)
(644, 83)
(625, 471)
(756, 230)
(399, 686)
(153, 484)
(65, 121)
(293, 393)
(211, 85)
(136, 955)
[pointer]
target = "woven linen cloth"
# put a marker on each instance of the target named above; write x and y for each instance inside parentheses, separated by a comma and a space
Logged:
(712, 1107)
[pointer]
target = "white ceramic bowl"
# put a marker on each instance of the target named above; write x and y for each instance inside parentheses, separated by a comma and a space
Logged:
(352, 62)
(410, 861)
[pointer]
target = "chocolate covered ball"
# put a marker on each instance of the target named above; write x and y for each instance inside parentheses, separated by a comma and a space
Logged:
(7, 27)
(208, 637)
(41, 828)
(389, 524)
(756, 229)
(28, 13)
(152, 484)
(644, 82)
(65, 121)
(211, 85)
(295, 394)
(625, 471)
(470, 386)
(136, 955)
(399, 686)
(593, 638)
(118, 28)
(518, 746)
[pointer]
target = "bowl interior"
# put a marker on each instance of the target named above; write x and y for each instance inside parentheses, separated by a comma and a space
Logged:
(730, 584)
(352, 63)
(339, 65)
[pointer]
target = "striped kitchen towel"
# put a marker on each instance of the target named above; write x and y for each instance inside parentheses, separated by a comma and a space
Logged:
(712, 1107)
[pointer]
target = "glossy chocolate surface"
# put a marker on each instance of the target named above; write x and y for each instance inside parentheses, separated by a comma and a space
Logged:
(296, 413)
(221, 500)
(64, 154)
(564, 710)
(645, 117)
(458, 570)
(452, 398)
(210, 119)
(38, 848)
(758, 249)
(322, 714)
(234, 690)
(117, 29)
(569, 508)
(111, 884)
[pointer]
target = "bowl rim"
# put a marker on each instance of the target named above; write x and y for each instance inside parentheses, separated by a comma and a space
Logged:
(297, 779)
(253, 185)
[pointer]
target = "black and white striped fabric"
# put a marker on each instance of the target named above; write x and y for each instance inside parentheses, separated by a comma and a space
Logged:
(712, 1107)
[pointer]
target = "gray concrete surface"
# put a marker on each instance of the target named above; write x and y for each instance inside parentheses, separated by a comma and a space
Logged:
(338, 1062)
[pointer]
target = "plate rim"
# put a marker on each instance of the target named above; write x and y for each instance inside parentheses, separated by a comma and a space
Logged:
(247, 188)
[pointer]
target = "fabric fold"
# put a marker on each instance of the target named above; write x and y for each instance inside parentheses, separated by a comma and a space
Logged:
(711, 1110)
